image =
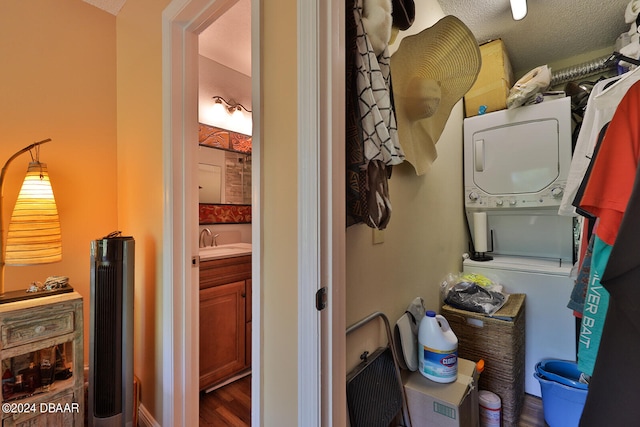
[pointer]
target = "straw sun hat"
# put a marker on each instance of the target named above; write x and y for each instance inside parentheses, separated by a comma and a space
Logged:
(431, 71)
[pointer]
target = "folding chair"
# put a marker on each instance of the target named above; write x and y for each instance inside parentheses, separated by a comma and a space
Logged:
(375, 394)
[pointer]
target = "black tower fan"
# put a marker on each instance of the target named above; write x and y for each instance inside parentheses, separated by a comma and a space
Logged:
(111, 332)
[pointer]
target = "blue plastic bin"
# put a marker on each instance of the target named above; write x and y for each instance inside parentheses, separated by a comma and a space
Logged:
(563, 371)
(562, 398)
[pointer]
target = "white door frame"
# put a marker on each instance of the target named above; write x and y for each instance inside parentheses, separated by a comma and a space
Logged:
(182, 21)
(321, 212)
(321, 170)
(310, 240)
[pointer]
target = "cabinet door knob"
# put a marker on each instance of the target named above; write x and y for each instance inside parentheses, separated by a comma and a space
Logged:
(244, 295)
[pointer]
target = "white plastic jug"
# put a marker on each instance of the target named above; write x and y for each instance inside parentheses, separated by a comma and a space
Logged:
(437, 349)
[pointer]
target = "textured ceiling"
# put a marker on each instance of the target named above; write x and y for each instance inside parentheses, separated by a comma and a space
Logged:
(111, 6)
(551, 31)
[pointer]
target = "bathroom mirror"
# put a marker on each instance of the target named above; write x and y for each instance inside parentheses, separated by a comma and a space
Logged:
(210, 183)
(224, 175)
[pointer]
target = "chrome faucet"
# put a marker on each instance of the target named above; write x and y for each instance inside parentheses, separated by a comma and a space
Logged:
(202, 243)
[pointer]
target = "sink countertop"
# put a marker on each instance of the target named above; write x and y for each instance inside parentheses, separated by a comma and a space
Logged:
(224, 251)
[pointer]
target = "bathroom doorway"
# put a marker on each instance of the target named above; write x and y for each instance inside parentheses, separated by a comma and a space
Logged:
(183, 21)
(225, 128)
(317, 131)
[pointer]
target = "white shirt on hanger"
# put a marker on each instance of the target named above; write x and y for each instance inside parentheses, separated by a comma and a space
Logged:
(601, 107)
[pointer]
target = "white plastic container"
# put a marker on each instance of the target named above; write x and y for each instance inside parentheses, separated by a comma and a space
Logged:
(437, 349)
(490, 409)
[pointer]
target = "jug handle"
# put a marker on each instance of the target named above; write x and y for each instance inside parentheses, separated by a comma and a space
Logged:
(444, 324)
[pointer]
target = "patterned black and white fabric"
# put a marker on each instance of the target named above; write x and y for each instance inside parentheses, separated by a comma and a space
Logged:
(370, 125)
(379, 126)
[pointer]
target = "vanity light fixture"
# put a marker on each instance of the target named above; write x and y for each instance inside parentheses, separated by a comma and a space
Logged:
(34, 230)
(518, 9)
(231, 105)
(231, 115)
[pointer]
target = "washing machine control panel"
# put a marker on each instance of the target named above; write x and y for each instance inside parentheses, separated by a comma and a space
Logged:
(549, 197)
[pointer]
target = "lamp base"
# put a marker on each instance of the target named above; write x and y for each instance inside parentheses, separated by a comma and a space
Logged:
(21, 295)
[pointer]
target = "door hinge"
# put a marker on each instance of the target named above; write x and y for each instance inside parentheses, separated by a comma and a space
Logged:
(321, 298)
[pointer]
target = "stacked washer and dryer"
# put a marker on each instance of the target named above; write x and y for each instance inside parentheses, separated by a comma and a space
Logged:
(515, 168)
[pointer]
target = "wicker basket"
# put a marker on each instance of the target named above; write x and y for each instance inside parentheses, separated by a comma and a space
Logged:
(499, 341)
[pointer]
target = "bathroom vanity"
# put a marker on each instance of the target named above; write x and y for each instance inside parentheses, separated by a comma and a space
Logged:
(225, 314)
(224, 180)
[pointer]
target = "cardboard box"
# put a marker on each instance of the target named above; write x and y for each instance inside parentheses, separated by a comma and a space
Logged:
(444, 405)
(494, 80)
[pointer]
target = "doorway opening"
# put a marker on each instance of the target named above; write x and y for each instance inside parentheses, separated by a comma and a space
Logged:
(183, 21)
(225, 144)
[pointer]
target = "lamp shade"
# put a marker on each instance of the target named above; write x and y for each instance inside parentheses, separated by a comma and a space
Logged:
(34, 231)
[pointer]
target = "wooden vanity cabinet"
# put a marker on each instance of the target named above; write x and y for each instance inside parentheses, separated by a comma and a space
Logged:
(248, 300)
(225, 319)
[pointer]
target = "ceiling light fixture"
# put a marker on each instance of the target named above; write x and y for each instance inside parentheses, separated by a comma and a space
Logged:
(518, 9)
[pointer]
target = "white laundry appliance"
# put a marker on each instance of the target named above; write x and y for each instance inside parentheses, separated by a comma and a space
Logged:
(515, 168)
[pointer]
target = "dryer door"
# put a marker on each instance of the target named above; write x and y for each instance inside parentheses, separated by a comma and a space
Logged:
(516, 158)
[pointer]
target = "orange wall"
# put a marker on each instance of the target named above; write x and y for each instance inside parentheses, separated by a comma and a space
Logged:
(140, 181)
(62, 78)
(58, 80)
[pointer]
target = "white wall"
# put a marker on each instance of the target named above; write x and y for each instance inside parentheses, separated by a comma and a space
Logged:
(217, 79)
(426, 236)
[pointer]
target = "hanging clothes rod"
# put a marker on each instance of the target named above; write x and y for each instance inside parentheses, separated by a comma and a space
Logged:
(617, 56)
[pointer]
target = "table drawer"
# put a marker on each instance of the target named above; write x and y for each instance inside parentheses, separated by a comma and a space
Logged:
(23, 331)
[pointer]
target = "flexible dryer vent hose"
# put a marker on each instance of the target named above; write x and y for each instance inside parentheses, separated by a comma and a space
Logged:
(595, 66)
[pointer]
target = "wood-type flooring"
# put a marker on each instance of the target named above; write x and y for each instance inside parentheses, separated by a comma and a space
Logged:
(231, 406)
(532, 414)
(227, 406)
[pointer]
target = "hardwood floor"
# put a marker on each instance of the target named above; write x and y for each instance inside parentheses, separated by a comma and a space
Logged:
(231, 406)
(532, 415)
(227, 406)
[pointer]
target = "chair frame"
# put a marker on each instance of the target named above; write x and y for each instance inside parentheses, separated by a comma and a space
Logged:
(391, 346)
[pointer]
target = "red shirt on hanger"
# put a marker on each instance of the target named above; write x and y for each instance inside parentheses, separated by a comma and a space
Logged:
(609, 187)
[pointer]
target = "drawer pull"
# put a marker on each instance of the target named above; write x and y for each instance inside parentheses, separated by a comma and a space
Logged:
(39, 329)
